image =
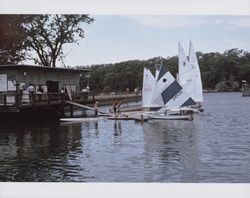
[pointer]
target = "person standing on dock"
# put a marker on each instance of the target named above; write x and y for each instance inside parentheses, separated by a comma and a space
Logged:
(31, 89)
(40, 91)
(114, 105)
(84, 94)
(96, 106)
(118, 107)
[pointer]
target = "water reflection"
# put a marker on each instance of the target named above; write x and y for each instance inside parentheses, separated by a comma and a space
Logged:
(117, 128)
(29, 153)
(96, 128)
(171, 146)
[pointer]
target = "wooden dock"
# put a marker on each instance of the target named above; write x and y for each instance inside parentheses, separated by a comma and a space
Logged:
(83, 106)
(53, 103)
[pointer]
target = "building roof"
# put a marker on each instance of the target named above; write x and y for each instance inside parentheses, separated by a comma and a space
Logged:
(44, 68)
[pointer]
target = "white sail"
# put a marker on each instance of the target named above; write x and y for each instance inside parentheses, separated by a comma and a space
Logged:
(184, 76)
(168, 93)
(148, 87)
(189, 73)
(196, 91)
(156, 74)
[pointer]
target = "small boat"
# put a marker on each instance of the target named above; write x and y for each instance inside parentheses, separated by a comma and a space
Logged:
(119, 118)
(122, 117)
(80, 119)
(185, 110)
(172, 117)
(139, 116)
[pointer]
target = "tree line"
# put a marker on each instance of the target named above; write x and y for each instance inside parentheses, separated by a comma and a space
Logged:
(219, 71)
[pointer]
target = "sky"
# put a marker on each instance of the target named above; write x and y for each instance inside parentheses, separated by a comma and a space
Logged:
(143, 29)
(117, 38)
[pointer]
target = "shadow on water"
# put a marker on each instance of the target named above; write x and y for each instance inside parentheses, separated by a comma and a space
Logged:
(37, 151)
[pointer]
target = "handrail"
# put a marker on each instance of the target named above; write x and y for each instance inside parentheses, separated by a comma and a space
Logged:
(22, 99)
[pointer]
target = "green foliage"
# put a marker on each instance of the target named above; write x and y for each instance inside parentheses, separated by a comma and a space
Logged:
(222, 72)
(44, 34)
(222, 86)
(12, 37)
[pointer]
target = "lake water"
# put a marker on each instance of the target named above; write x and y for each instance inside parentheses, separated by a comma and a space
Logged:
(214, 147)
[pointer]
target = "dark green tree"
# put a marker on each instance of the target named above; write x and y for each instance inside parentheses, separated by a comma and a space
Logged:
(219, 71)
(12, 39)
(47, 34)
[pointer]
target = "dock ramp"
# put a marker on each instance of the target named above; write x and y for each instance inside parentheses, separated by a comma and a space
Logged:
(84, 107)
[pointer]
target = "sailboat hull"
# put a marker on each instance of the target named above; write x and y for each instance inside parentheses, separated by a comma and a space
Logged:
(172, 117)
(159, 116)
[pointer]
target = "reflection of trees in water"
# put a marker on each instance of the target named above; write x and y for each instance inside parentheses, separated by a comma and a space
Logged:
(173, 146)
(34, 153)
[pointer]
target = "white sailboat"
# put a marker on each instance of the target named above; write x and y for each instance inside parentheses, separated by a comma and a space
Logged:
(189, 74)
(168, 93)
(165, 92)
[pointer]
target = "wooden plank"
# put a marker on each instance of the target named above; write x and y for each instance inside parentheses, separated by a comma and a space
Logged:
(80, 119)
(83, 106)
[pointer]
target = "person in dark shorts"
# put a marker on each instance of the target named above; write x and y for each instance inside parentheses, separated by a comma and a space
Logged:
(114, 105)
(96, 106)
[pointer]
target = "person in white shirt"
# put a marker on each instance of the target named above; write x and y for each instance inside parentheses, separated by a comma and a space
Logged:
(31, 89)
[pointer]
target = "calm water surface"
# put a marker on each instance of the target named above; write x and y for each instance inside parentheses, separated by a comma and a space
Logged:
(215, 147)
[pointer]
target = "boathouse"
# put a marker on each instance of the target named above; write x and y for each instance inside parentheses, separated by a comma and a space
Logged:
(15, 80)
(52, 79)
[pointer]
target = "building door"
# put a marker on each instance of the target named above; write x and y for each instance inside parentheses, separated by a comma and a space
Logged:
(52, 86)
